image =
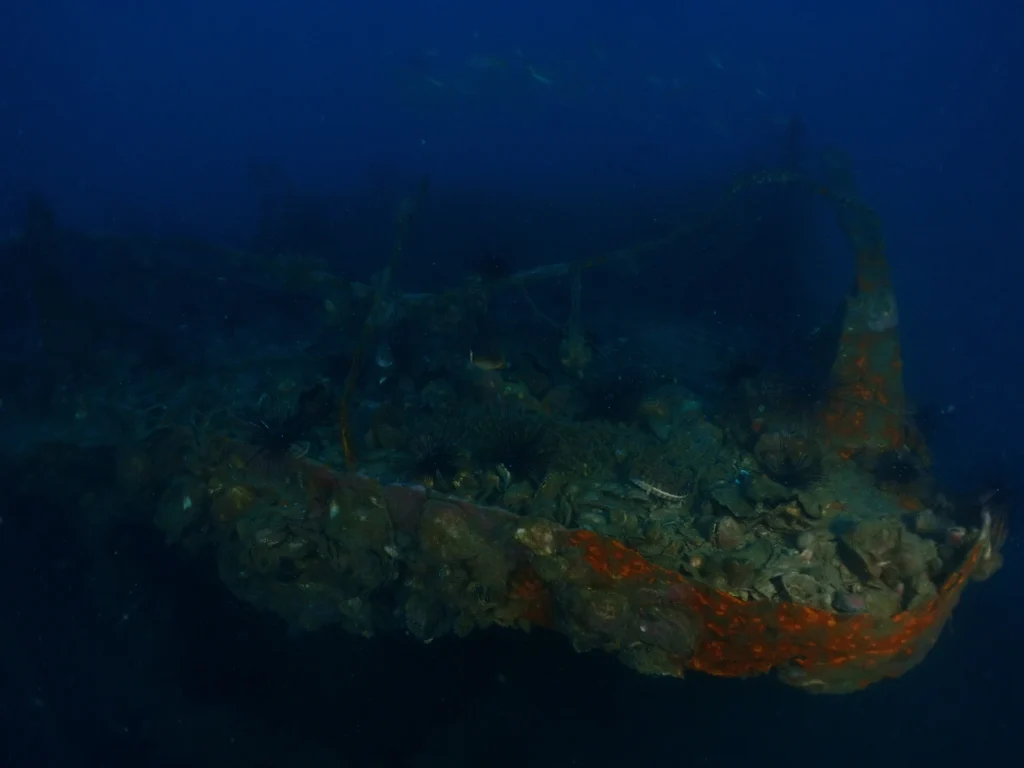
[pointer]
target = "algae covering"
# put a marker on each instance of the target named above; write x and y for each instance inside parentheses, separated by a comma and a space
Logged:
(337, 548)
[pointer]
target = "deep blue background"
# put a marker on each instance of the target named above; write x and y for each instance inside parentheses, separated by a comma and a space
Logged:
(135, 113)
(152, 111)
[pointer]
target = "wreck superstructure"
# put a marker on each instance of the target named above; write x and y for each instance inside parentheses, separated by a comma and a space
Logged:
(733, 546)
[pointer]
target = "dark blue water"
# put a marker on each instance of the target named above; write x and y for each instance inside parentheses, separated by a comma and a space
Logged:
(548, 132)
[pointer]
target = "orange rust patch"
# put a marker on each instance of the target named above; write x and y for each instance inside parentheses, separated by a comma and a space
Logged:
(528, 590)
(740, 638)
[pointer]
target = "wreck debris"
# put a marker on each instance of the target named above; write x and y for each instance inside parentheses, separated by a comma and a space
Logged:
(866, 408)
(441, 564)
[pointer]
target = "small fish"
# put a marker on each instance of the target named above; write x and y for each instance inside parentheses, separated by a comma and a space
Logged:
(849, 602)
(488, 362)
(539, 77)
(384, 357)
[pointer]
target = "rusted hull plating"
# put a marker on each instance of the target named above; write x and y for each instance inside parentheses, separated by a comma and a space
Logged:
(468, 566)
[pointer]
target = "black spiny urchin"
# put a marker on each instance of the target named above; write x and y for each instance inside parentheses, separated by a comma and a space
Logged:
(436, 451)
(790, 458)
(897, 467)
(522, 443)
(277, 436)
